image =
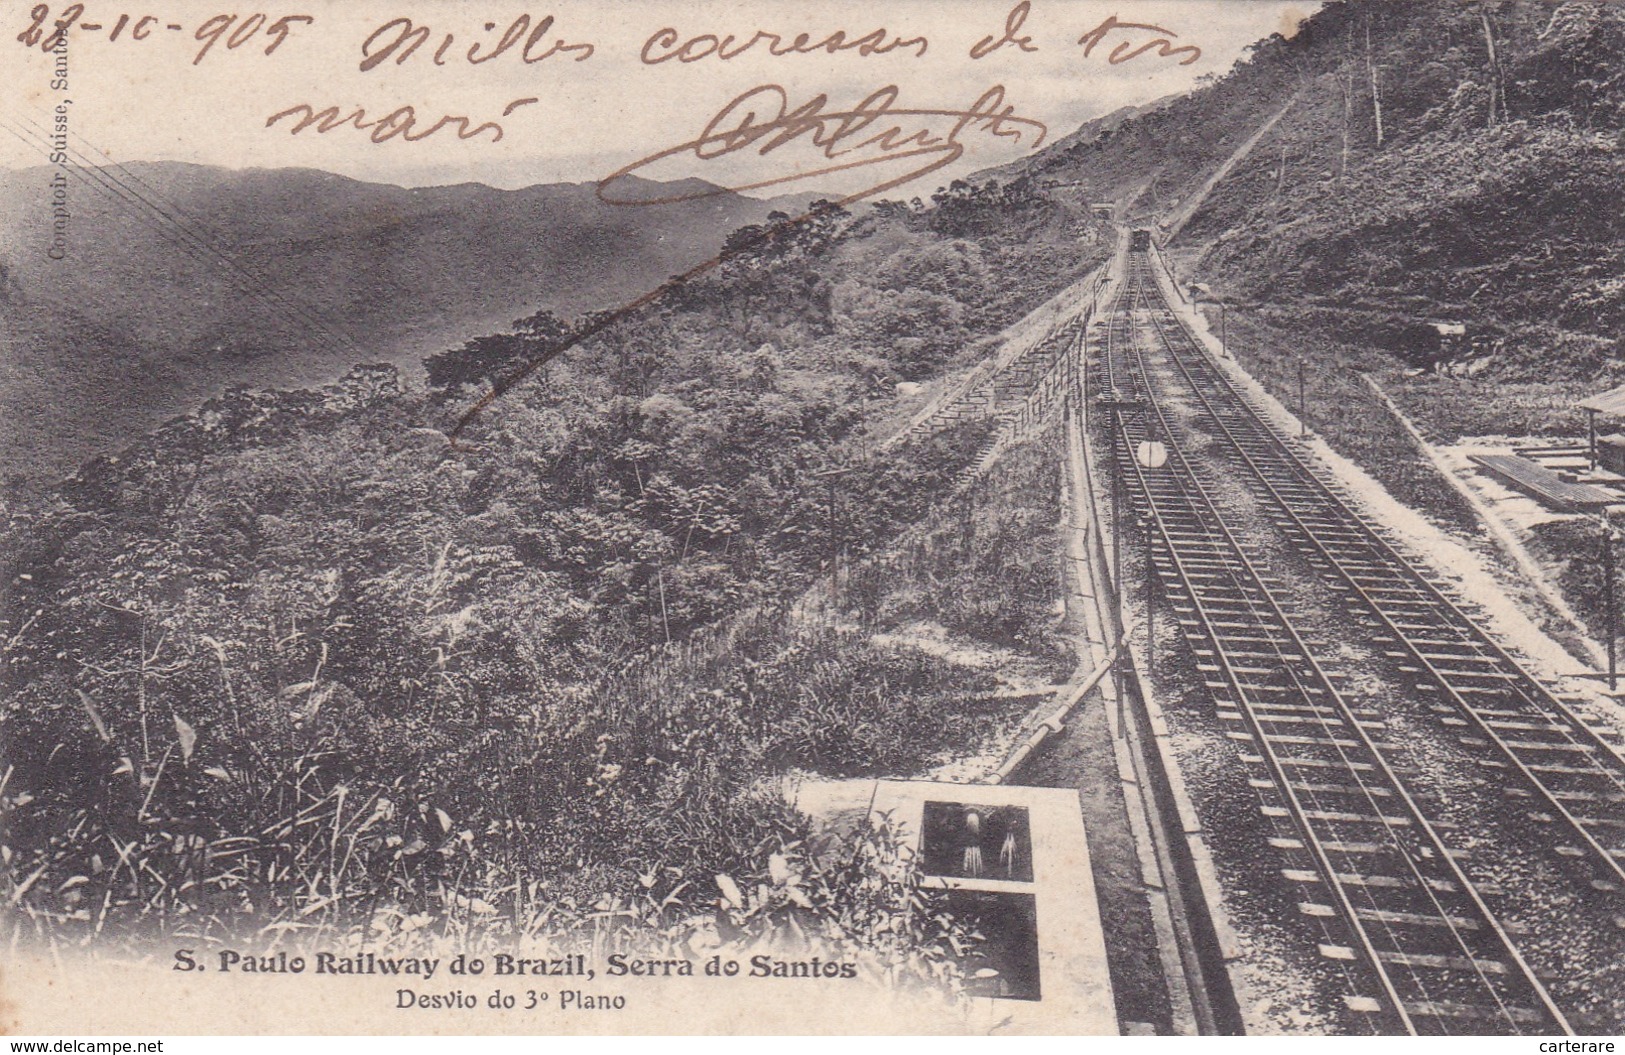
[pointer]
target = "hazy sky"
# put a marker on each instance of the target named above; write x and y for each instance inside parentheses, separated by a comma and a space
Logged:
(147, 100)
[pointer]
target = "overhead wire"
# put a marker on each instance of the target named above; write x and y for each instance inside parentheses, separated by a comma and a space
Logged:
(285, 311)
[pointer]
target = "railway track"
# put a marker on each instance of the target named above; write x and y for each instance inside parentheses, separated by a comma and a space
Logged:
(1419, 944)
(1510, 721)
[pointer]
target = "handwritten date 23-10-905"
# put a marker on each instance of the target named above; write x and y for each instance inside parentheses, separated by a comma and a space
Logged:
(230, 31)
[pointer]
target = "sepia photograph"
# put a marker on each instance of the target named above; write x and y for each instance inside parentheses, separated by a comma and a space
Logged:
(730, 517)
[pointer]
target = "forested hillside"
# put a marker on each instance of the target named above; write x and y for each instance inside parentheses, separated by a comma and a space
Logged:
(1393, 166)
(563, 651)
(1435, 160)
(300, 653)
(181, 281)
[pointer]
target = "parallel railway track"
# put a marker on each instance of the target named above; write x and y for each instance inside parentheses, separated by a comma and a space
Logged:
(1419, 943)
(1511, 721)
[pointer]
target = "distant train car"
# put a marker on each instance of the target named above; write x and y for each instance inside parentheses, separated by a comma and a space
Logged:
(1141, 239)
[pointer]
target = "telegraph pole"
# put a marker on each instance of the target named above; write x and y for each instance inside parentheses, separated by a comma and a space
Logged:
(1086, 414)
(1151, 454)
(1116, 404)
(1303, 425)
(967, 527)
(1149, 522)
(1117, 511)
(1611, 614)
(831, 475)
(1083, 366)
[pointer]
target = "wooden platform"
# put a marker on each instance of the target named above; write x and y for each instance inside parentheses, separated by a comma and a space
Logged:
(1543, 485)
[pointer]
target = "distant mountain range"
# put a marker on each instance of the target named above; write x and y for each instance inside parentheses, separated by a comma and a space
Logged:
(182, 280)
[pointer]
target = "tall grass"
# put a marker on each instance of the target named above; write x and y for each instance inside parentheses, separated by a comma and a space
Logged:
(986, 566)
(202, 796)
(294, 767)
(1340, 407)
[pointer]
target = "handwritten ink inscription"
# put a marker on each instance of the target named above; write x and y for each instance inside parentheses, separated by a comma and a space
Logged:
(402, 122)
(1012, 34)
(760, 123)
(876, 131)
(400, 38)
(231, 31)
(1129, 50)
(667, 44)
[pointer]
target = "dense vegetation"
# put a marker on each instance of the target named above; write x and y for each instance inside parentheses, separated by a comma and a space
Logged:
(1432, 162)
(1482, 189)
(187, 280)
(1456, 161)
(299, 656)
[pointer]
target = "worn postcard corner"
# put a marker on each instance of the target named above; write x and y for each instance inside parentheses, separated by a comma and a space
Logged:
(922, 517)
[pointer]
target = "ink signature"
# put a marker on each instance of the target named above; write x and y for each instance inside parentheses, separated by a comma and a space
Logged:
(762, 122)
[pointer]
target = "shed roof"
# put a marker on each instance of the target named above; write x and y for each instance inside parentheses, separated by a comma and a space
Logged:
(1609, 402)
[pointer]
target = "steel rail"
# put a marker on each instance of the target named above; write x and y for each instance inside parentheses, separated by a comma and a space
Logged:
(1466, 628)
(1190, 485)
(1537, 694)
